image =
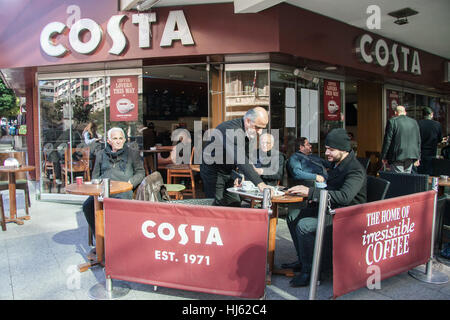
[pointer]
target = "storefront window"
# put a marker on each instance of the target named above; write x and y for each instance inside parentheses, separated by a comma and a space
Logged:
(67, 108)
(245, 89)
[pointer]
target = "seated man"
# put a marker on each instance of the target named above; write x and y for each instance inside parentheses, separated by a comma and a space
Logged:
(304, 167)
(116, 162)
(269, 172)
(346, 186)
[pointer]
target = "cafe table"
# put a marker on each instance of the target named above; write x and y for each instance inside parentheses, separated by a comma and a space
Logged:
(442, 183)
(12, 171)
(96, 190)
(278, 198)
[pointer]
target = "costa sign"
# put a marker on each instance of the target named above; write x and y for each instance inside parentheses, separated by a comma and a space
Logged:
(400, 58)
(176, 28)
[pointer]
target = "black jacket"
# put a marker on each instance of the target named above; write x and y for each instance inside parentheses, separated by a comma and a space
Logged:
(430, 136)
(346, 184)
(401, 140)
(231, 151)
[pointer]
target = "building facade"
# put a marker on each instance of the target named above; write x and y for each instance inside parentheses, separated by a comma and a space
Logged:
(202, 65)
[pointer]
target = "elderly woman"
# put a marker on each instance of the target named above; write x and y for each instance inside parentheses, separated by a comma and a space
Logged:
(116, 162)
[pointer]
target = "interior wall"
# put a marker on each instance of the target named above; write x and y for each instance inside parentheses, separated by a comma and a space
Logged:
(369, 131)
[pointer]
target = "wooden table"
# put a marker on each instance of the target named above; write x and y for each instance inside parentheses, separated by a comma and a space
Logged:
(273, 221)
(154, 154)
(12, 191)
(441, 184)
(96, 190)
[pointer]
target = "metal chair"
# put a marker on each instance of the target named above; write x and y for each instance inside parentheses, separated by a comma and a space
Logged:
(376, 188)
(404, 183)
(364, 161)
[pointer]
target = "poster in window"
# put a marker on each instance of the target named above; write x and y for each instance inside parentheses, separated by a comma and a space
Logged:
(331, 100)
(393, 100)
(124, 98)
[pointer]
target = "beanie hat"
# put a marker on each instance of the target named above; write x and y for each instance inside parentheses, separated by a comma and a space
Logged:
(338, 139)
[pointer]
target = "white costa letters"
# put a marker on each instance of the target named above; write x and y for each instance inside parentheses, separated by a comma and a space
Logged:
(166, 232)
(378, 52)
(176, 28)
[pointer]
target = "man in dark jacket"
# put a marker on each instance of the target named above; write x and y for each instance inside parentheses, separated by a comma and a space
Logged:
(346, 186)
(228, 150)
(116, 162)
(401, 144)
(305, 168)
(430, 136)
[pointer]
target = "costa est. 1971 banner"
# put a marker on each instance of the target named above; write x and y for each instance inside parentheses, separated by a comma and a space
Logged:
(210, 249)
(124, 98)
(380, 240)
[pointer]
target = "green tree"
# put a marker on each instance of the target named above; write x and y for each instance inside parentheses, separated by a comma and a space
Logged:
(9, 105)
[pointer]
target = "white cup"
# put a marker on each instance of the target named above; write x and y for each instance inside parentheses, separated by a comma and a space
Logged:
(247, 185)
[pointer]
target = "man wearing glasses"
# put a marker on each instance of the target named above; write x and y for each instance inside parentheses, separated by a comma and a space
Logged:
(228, 150)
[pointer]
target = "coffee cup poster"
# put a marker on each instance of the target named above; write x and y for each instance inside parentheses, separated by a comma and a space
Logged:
(332, 100)
(124, 98)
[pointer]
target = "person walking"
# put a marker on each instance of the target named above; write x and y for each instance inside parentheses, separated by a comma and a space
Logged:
(401, 143)
(430, 136)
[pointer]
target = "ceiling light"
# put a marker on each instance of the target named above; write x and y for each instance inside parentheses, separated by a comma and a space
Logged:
(330, 68)
(402, 15)
(146, 5)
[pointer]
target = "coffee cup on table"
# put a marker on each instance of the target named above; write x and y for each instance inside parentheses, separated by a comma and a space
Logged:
(247, 185)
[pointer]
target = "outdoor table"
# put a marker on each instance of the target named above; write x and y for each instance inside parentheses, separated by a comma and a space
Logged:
(96, 190)
(441, 184)
(12, 191)
(154, 154)
(273, 220)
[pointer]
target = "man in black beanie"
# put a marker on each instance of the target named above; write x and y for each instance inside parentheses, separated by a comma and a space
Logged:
(346, 186)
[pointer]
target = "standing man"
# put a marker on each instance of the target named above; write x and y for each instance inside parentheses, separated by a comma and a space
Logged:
(229, 149)
(346, 186)
(401, 144)
(430, 136)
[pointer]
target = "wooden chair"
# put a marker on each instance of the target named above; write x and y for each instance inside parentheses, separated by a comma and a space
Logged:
(21, 177)
(2, 213)
(49, 168)
(175, 171)
(76, 166)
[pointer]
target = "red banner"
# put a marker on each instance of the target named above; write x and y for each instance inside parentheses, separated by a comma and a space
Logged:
(393, 100)
(209, 249)
(378, 240)
(331, 100)
(124, 98)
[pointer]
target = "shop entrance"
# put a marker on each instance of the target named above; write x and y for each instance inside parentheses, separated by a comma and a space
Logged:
(173, 97)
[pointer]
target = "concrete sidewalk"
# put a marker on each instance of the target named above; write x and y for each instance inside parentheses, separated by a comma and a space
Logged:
(38, 262)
